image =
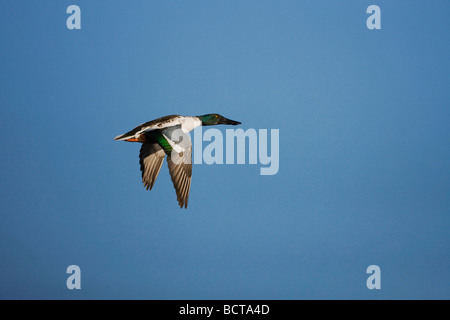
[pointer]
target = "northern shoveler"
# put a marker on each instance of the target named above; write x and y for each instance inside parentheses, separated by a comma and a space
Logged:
(167, 136)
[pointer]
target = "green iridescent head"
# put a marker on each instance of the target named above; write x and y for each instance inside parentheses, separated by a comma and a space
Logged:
(214, 118)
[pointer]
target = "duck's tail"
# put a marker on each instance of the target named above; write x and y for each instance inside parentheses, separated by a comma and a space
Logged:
(126, 137)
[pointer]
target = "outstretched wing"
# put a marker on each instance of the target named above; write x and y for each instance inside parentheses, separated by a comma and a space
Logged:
(151, 158)
(180, 168)
(178, 148)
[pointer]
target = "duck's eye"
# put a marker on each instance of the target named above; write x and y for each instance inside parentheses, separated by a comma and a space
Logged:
(216, 115)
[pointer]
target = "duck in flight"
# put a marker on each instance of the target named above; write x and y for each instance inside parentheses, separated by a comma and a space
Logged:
(167, 136)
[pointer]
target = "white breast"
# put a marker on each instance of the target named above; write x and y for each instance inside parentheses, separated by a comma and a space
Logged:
(189, 123)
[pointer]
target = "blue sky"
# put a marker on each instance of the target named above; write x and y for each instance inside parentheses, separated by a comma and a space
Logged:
(364, 155)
